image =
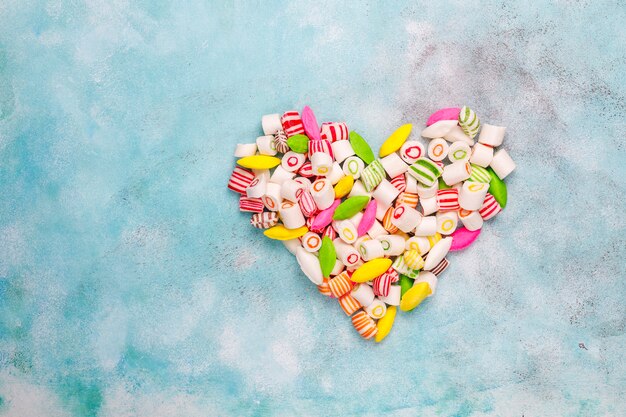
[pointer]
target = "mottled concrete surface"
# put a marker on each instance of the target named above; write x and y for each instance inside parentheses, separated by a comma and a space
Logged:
(131, 285)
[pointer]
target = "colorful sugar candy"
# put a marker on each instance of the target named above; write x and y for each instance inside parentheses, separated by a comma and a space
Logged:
(373, 233)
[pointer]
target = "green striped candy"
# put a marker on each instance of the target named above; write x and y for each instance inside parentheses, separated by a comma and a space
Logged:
(479, 174)
(372, 175)
(402, 268)
(425, 171)
(469, 122)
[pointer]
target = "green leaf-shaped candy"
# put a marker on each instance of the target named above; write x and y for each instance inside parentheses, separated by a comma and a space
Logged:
(361, 148)
(298, 143)
(497, 188)
(350, 207)
(405, 284)
(327, 256)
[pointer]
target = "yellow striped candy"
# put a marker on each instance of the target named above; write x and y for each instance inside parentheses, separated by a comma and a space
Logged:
(371, 269)
(385, 324)
(414, 296)
(413, 260)
(259, 162)
(280, 232)
(344, 186)
(432, 240)
(396, 140)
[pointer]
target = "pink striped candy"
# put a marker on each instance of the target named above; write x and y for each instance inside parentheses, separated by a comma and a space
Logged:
(264, 220)
(322, 145)
(448, 199)
(306, 170)
(292, 123)
(307, 204)
(381, 285)
(333, 131)
(399, 182)
(490, 207)
(253, 205)
(240, 179)
(330, 233)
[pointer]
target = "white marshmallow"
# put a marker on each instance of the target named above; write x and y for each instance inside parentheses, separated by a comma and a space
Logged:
(271, 124)
(502, 164)
(245, 149)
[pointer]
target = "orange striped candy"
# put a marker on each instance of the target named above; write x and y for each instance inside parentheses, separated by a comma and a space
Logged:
(364, 325)
(340, 284)
(390, 227)
(408, 199)
(349, 304)
(324, 288)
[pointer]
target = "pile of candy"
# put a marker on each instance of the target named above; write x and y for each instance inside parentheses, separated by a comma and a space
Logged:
(373, 232)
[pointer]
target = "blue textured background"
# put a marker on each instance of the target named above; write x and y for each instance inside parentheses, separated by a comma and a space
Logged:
(130, 285)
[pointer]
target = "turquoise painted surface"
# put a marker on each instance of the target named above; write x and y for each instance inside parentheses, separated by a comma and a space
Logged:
(131, 286)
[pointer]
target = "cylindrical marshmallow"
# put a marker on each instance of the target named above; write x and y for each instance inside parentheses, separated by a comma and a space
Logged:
(393, 245)
(291, 215)
(459, 151)
(310, 265)
(472, 220)
(272, 197)
(502, 164)
(446, 222)
(336, 173)
(427, 227)
(280, 175)
(481, 155)
(490, 207)
(342, 150)
(311, 242)
(256, 189)
(418, 243)
(411, 184)
(291, 190)
(266, 145)
(245, 149)
(456, 172)
(292, 161)
(456, 134)
(376, 230)
(437, 149)
(271, 124)
(381, 211)
(429, 205)
(411, 151)
(321, 163)
(346, 231)
(393, 299)
(437, 253)
(371, 249)
(353, 166)
(399, 182)
(377, 309)
(347, 254)
(405, 218)
(385, 193)
(472, 195)
(323, 193)
(358, 189)
(363, 293)
(306, 183)
(491, 135)
(448, 199)
(394, 165)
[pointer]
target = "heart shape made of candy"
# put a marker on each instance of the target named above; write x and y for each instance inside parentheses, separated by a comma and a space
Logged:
(372, 232)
